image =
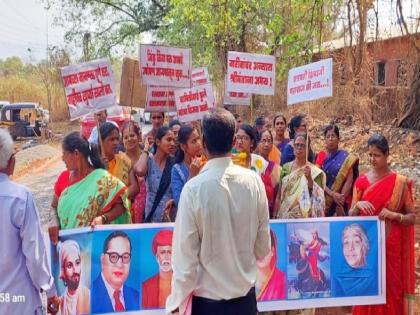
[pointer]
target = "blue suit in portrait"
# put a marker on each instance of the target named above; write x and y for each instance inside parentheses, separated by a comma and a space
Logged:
(101, 302)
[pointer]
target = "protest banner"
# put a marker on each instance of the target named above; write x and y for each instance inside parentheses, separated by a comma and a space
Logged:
(251, 73)
(310, 82)
(192, 104)
(160, 99)
(165, 66)
(316, 246)
(235, 98)
(89, 87)
(132, 92)
(200, 76)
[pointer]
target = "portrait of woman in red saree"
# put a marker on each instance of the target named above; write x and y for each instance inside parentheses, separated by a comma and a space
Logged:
(311, 251)
(384, 193)
(308, 270)
(271, 281)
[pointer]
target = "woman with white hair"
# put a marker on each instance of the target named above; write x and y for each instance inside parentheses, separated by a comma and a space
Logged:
(356, 277)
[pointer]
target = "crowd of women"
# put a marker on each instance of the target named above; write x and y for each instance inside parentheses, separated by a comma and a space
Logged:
(129, 178)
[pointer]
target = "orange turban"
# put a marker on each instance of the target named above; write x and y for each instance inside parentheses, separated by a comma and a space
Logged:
(162, 238)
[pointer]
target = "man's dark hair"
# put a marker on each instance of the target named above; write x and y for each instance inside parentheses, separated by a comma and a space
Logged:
(113, 235)
(260, 121)
(174, 122)
(218, 131)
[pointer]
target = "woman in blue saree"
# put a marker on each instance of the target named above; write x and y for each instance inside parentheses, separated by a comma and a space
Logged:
(341, 168)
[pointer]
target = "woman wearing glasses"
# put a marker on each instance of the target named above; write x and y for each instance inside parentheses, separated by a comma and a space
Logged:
(341, 168)
(246, 143)
(271, 176)
(302, 185)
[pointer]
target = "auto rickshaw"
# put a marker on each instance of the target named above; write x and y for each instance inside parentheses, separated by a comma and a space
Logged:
(22, 119)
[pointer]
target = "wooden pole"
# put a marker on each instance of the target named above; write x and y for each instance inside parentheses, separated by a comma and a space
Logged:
(307, 132)
(99, 138)
(252, 108)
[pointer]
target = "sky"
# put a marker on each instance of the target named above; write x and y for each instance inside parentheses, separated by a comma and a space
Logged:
(23, 25)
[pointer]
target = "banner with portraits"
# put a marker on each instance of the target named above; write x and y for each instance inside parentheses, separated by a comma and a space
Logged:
(313, 263)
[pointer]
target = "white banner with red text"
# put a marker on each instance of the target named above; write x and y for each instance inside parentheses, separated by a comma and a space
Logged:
(251, 73)
(89, 87)
(192, 104)
(200, 76)
(160, 99)
(310, 82)
(165, 66)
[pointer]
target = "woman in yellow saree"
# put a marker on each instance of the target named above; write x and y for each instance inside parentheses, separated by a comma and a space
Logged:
(303, 184)
(118, 164)
(302, 193)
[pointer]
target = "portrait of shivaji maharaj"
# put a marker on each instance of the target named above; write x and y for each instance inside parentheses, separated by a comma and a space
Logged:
(76, 297)
(157, 288)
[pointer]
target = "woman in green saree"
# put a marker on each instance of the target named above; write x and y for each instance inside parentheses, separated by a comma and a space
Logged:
(87, 194)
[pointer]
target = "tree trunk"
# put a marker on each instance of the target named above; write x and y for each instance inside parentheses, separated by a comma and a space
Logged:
(411, 110)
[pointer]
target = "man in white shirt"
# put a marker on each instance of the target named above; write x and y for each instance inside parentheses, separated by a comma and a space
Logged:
(221, 228)
(24, 267)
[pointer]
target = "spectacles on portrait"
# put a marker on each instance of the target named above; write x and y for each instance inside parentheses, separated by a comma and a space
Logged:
(114, 257)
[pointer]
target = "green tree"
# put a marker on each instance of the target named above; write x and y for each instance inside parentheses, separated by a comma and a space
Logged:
(290, 30)
(107, 27)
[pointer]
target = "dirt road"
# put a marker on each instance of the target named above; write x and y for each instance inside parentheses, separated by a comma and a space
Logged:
(41, 183)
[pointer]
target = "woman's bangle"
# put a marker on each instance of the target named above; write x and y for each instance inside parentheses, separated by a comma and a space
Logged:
(401, 217)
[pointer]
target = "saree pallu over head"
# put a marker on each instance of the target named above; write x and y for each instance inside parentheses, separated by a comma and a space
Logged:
(297, 201)
(337, 167)
(93, 196)
(393, 192)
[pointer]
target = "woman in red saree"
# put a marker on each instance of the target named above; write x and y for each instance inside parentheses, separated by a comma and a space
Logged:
(384, 193)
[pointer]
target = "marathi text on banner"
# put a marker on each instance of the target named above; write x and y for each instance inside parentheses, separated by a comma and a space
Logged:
(312, 264)
(165, 66)
(251, 73)
(310, 82)
(89, 87)
(160, 99)
(192, 104)
(200, 76)
(236, 98)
